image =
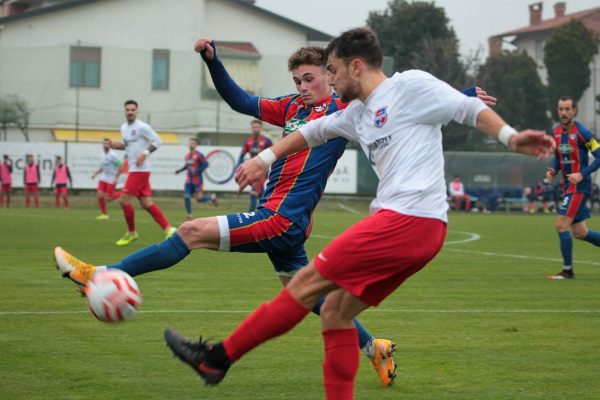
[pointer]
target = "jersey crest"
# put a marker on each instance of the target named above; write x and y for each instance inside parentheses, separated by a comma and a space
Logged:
(381, 117)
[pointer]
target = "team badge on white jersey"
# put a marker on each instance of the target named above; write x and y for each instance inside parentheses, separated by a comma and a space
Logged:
(381, 117)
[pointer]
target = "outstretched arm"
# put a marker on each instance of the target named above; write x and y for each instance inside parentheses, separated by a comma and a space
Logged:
(530, 142)
(237, 98)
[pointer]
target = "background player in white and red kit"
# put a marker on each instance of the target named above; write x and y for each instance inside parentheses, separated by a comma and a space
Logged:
(6, 170)
(397, 122)
(253, 145)
(109, 168)
(139, 141)
(61, 175)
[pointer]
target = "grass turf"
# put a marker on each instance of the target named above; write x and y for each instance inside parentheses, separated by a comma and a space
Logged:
(480, 322)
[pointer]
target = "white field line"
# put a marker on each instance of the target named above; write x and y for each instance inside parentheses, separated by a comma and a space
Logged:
(393, 311)
(349, 209)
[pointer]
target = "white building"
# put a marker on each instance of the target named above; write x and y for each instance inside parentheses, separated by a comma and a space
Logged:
(533, 38)
(75, 63)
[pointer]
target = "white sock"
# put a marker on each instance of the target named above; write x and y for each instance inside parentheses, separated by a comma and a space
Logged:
(368, 349)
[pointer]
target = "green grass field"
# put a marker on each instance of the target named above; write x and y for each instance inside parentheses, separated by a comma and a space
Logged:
(480, 322)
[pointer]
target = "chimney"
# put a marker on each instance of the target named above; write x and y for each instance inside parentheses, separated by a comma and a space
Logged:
(535, 13)
(560, 9)
(495, 45)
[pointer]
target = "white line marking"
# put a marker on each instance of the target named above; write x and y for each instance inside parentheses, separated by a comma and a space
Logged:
(521, 257)
(397, 311)
(472, 237)
(349, 209)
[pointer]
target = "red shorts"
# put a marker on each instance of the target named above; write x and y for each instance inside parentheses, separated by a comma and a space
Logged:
(31, 188)
(60, 189)
(377, 254)
(6, 187)
(108, 188)
(138, 184)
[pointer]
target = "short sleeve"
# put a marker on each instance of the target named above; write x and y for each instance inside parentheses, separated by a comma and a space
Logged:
(319, 131)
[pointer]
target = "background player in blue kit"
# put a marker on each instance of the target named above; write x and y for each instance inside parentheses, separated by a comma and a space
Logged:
(195, 164)
(573, 142)
(253, 145)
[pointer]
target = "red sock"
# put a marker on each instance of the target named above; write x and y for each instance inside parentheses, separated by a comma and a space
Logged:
(37, 201)
(27, 200)
(266, 322)
(129, 213)
(102, 204)
(8, 199)
(158, 216)
(341, 363)
(2, 199)
(66, 201)
(57, 200)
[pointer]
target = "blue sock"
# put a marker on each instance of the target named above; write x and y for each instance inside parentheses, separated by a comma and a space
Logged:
(154, 257)
(188, 205)
(203, 199)
(253, 203)
(566, 248)
(364, 337)
(593, 237)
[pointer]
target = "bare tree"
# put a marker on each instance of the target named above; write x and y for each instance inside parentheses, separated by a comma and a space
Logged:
(14, 111)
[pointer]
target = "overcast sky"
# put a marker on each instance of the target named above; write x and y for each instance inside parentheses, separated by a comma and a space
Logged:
(473, 20)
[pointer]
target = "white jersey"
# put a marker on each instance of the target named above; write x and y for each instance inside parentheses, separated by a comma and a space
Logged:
(456, 189)
(110, 166)
(399, 129)
(137, 137)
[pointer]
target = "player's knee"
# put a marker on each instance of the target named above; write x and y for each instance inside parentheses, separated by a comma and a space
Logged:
(561, 226)
(334, 315)
(192, 230)
(579, 234)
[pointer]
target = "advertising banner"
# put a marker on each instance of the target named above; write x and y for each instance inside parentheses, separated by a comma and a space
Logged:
(83, 160)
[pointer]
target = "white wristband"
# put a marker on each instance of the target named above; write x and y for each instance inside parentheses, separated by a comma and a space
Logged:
(267, 157)
(146, 152)
(506, 132)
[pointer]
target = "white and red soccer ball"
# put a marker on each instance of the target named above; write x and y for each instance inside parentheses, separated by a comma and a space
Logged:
(113, 296)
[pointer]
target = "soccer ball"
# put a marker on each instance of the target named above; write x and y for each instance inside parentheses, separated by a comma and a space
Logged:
(113, 296)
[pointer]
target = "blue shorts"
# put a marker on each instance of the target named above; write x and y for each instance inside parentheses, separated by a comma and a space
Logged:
(574, 205)
(191, 188)
(264, 231)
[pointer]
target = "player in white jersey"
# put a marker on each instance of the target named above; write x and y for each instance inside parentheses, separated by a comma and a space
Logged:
(109, 168)
(397, 122)
(139, 141)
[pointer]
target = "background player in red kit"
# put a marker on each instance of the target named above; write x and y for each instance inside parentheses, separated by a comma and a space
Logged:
(31, 179)
(61, 175)
(252, 146)
(195, 164)
(398, 123)
(6, 169)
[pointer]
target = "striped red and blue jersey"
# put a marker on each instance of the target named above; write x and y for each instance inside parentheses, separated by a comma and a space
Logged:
(572, 155)
(253, 146)
(296, 182)
(195, 164)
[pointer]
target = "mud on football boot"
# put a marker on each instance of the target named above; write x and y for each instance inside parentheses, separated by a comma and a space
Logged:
(196, 355)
